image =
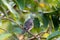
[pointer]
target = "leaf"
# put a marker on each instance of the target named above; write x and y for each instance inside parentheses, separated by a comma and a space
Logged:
(17, 30)
(21, 4)
(36, 24)
(34, 31)
(45, 35)
(34, 6)
(4, 25)
(4, 36)
(45, 19)
(55, 34)
(22, 19)
(55, 20)
(14, 36)
(42, 5)
(1, 9)
(12, 27)
(38, 0)
(11, 9)
(51, 1)
(0, 2)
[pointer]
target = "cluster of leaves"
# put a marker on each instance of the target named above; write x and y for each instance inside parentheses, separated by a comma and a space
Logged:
(46, 15)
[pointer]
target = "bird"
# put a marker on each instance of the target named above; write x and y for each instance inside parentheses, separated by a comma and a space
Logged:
(28, 25)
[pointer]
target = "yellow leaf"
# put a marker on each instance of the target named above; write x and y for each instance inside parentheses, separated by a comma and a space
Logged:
(42, 5)
(45, 35)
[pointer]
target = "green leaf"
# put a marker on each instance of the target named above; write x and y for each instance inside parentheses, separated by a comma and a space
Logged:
(1, 9)
(55, 20)
(36, 24)
(55, 34)
(17, 30)
(5, 36)
(10, 27)
(10, 9)
(4, 24)
(13, 28)
(45, 19)
(34, 6)
(0, 2)
(51, 1)
(21, 4)
(34, 31)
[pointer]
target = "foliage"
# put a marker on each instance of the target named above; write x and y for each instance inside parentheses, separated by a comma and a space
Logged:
(14, 14)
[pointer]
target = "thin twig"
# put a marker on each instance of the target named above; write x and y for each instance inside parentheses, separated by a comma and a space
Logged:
(40, 34)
